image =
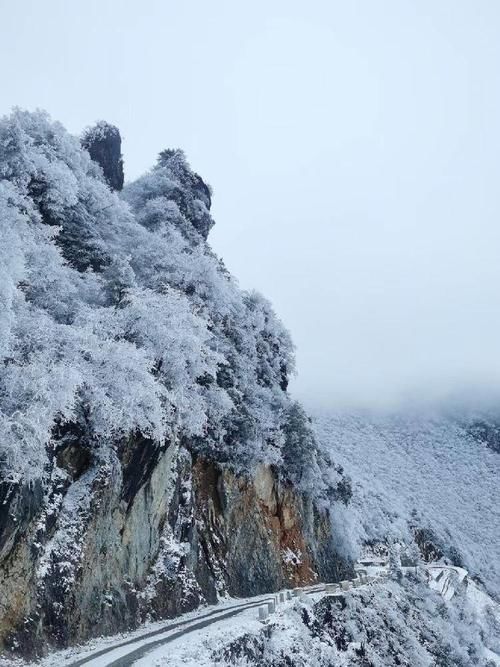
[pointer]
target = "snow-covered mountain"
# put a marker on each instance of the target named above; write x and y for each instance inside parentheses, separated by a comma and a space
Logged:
(151, 457)
(153, 461)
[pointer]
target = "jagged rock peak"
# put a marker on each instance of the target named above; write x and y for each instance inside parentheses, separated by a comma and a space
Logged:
(104, 144)
(195, 197)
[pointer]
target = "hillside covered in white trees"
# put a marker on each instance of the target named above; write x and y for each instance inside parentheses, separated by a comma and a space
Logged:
(115, 314)
(153, 461)
(148, 437)
(428, 480)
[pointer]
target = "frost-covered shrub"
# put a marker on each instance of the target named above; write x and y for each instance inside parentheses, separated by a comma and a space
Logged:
(299, 448)
(172, 192)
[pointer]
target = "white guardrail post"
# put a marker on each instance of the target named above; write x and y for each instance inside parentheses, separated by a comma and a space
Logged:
(331, 588)
(280, 598)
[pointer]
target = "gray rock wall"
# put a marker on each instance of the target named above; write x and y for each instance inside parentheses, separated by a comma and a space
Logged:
(148, 533)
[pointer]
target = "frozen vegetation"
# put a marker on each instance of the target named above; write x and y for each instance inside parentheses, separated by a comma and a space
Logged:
(382, 625)
(148, 437)
(116, 317)
(430, 477)
(119, 330)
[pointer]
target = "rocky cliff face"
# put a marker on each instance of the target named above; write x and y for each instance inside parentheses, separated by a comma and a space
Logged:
(153, 533)
(151, 458)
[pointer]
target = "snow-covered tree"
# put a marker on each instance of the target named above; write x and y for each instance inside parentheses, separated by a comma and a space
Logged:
(115, 312)
(395, 570)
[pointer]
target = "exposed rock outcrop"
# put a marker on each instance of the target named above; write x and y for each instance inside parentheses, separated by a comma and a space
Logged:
(104, 144)
(193, 197)
(128, 539)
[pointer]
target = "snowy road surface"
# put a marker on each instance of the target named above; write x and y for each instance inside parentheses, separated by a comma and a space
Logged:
(129, 652)
(187, 639)
(133, 650)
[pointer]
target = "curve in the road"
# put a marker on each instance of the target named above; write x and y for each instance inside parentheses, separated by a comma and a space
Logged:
(141, 651)
(130, 658)
(171, 626)
(197, 623)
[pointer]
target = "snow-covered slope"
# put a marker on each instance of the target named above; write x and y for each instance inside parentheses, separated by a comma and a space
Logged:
(152, 459)
(426, 487)
(435, 477)
(385, 624)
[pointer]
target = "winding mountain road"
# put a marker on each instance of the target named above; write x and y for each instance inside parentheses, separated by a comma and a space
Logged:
(137, 647)
(128, 652)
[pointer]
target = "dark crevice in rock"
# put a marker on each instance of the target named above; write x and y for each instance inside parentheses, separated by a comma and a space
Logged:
(139, 457)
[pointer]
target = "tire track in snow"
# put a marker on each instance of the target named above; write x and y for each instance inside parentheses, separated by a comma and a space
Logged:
(192, 623)
(197, 623)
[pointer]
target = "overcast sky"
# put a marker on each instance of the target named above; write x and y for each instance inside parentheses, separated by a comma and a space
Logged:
(354, 151)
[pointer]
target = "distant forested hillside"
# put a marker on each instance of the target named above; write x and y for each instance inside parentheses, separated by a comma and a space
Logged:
(431, 477)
